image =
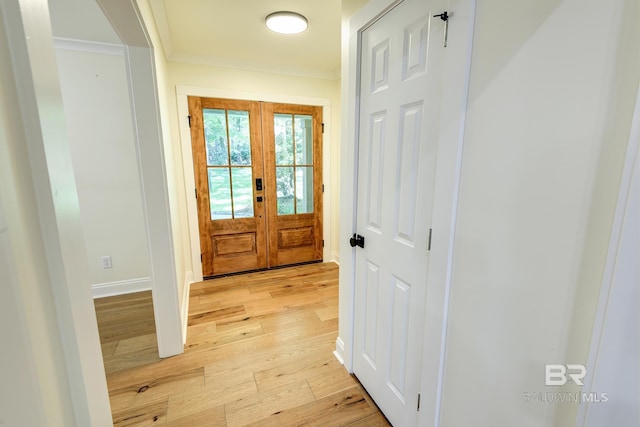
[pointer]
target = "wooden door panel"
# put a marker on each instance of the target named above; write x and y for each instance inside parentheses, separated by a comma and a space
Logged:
(296, 242)
(236, 244)
(295, 238)
(234, 252)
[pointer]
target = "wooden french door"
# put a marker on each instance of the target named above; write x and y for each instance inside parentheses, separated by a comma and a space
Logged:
(293, 167)
(258, 174)
(227, 158)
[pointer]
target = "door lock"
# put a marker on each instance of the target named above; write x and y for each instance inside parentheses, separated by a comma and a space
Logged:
(357, 240)
(258, 184)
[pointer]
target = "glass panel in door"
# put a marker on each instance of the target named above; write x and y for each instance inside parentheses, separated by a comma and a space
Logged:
(228, 143)
(293, 136)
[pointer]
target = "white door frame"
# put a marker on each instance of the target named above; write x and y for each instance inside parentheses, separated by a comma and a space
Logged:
(39, 90)
(182, 93)
(124, 16)
(614, 271)
(449, 160)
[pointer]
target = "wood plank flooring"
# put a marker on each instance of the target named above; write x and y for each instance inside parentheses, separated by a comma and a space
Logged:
(259, 353)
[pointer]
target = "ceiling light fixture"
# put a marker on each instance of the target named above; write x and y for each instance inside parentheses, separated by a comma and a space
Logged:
(286, 22)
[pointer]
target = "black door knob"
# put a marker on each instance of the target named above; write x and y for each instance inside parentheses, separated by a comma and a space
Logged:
(357, 240)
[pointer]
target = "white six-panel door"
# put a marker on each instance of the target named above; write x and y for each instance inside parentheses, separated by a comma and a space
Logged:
(401, 61)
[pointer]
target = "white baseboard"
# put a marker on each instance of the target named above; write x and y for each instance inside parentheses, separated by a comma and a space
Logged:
(339, 351)
(188, 280)
(335, 257)
(121, 287)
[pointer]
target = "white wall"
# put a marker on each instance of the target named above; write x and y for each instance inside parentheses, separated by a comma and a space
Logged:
(614, 367)
(18, 373)
(99, 121)
(623, 63)
(547, 124)
(32, 357)
(43, 264)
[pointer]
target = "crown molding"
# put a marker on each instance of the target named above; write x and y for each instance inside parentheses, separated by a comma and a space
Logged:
(253, 66)
(88, 46)
(162, 25)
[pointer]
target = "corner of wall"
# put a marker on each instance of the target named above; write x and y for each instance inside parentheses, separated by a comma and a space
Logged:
(339, 351)
(335, 257)
(184, 309)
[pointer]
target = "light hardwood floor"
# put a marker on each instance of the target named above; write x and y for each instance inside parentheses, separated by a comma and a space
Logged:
(259, 352)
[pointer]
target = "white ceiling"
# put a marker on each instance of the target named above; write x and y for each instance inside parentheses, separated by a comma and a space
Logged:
(228, 33)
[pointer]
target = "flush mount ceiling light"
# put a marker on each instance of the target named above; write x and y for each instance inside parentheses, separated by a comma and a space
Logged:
(286, 22)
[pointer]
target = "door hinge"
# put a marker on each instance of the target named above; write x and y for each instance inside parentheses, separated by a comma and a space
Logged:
(189, 117)
(323, 188)
(418, 402)
(323, 128)
(445, 17)
(200, 257)
(195, 190)
(323, 243)
(429, 243)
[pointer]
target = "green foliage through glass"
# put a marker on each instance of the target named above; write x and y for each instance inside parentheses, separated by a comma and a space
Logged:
(293, 136)
(215, 136)
(242, 192)
(220, 193)
(228, 143)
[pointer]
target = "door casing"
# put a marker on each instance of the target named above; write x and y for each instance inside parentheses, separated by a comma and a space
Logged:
(265, 239)
(182, 93)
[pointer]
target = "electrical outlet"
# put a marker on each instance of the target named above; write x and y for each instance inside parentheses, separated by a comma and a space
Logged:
(106, 262)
